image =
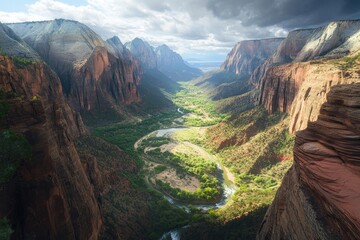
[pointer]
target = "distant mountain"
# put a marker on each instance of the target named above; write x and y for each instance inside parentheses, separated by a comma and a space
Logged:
(162, 58)
(173, 65)
(144, 52)
(247, 55)
(94, 74)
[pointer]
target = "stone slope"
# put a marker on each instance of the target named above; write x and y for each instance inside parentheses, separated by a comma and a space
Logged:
(319, 196)
(93, 73)
(144, 52)
(50, 196)
(336, 39)
(247, 55)
(172, 64)
(296, 78)
(13, 45)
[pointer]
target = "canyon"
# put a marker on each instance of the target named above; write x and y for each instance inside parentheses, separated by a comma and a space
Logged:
(323, 179)
(272, 101)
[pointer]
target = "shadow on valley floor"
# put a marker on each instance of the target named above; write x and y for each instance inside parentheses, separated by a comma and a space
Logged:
(245, 227)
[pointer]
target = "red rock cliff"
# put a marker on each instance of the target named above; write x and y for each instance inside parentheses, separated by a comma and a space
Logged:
(300, 88)
(296, 78)
(319, 197)
(247, 55)
(50, 197)
(94, 74)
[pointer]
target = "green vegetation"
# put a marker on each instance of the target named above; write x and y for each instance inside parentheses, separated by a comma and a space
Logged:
(155, 141)
(4, 106)
(125, 135)
(21, 62)
(5, 229)
(14, 150)
(347, 63)
(159, 169)
(259, 154)
(193, 135)
(134, 208)
(203, 169)
(14, 147)
(255, 146)
(201, 110)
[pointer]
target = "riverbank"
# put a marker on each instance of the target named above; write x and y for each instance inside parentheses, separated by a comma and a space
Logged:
(156, 168)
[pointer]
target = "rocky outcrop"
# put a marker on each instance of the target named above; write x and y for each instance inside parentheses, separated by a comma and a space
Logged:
(333, 40)
(13, 45)
(144, 52)
(300, 88)
(296, 78)
(319, 196)
(94, 74)
(247, 55)
(50, 197)
(172, 65)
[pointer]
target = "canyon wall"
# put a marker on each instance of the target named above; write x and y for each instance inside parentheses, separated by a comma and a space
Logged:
(247, 55)
(296, 78)
(50, 196)
(319, 196)
(94, 74)
(144, 52)
(300, 88)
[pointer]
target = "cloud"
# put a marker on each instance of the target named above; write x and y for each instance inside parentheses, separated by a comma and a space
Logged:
(285, 13)
(203, 27)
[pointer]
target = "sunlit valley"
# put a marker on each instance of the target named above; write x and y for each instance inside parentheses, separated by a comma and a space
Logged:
(105, 139)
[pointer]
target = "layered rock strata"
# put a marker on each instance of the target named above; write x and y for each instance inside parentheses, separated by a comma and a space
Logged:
(50, 196)
(247, 55)
(319, 196)
(94, 73)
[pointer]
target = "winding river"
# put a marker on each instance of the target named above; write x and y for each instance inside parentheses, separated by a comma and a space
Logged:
(224, 176)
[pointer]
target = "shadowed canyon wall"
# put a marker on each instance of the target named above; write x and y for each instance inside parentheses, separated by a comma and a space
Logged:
(319, 196)
(50, 197)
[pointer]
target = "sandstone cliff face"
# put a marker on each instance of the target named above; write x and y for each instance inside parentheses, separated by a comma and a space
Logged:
(292, 81)
(171, 64)
(319, 197)
(246, 56)
(87, 66)
(333, 40)
(50, 197)
(300, 88)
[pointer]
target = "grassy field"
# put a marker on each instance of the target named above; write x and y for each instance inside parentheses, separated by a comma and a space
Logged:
(200, 109)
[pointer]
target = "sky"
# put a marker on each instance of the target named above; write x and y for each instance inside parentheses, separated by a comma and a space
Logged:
(202, 30)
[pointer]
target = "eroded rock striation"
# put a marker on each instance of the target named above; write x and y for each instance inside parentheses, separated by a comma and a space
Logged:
(94, 74)
(50, 197)
(144, 52)
(247, 55)
(319, 197)
(297, 77)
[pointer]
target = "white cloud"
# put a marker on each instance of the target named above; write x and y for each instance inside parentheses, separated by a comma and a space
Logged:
(186, 26)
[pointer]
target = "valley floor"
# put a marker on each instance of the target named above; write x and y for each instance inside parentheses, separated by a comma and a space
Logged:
(251, 148)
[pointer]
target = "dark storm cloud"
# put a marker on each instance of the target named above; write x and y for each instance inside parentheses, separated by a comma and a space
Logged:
(285, 13)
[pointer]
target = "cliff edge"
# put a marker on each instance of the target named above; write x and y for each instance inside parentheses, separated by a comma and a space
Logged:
(319, 197)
